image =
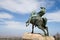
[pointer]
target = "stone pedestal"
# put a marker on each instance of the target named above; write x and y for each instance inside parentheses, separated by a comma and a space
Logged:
(29, 36)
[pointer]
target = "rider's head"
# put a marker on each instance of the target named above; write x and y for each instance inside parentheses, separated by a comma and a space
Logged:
(33, 12)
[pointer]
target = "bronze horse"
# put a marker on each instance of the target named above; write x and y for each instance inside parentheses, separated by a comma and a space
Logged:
(41, 24)
(39, 21)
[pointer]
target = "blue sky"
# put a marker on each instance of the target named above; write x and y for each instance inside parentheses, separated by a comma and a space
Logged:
(14, 14)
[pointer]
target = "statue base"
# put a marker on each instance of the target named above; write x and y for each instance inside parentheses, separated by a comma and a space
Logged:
(30, 36)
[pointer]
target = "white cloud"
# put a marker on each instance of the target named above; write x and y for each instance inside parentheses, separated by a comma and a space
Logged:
(20, 6)
(15, 25)
(49, 4)
(5, 16)
(53, 17)
(23, 6)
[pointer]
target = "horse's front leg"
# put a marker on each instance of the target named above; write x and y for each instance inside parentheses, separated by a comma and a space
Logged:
(27, 24)
(32, 29)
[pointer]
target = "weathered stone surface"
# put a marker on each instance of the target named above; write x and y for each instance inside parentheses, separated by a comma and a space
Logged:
(29, 36)
(48, 38)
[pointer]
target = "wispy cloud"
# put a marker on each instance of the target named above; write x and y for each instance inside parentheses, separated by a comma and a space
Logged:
(24, 6)
(15, 25)
(50, 4)
(4, 15)
(10, 24)
(19, 5)
(54, 16)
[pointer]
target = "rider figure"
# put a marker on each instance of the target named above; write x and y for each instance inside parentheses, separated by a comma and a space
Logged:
(33, 15)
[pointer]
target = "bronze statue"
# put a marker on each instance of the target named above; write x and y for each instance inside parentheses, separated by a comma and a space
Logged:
(38, 21)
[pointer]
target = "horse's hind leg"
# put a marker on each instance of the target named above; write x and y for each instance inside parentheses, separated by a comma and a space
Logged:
(47, 31)
(44, 31)
(32, 29)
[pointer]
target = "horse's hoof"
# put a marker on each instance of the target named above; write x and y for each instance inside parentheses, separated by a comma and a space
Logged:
(32, 32)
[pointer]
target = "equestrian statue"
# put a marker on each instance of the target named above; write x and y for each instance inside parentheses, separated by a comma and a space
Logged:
(37, 20)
